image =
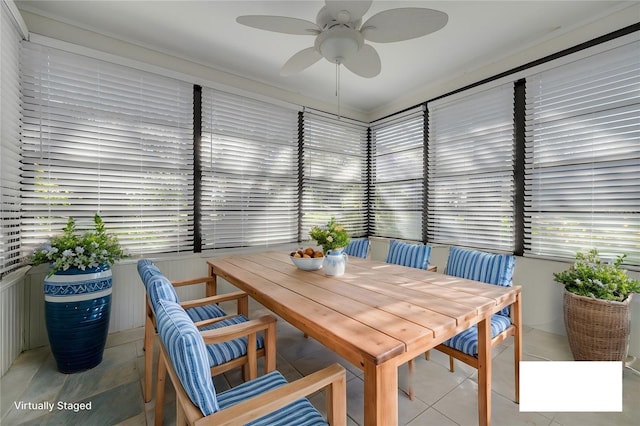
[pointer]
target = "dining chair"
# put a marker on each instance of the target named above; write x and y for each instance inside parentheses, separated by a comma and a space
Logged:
(406, 254)
(266, 400)
(358, 248)
(240, 340)
(204, 312)
(494, 269)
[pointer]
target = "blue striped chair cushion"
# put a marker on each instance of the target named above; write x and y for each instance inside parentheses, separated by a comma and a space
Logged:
(142, 263)
(467, 341)
(219, 353)
(358, 248)
(478, 265)
(299, 413)
(147, 271)
(160, 288)
(201, 313)
(413, 255)
(188, 355)
(151, 274)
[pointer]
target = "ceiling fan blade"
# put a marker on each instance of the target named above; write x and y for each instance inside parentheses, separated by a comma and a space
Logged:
(300, 61)
(366, 63)
(403, 24)
(279, 24)
(356, 9)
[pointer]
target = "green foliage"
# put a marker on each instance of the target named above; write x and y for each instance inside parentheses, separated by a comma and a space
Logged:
(591, 277)
(331, 236)
(86, 251)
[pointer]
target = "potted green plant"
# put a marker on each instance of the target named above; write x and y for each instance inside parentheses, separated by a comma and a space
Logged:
(77, 293)
(597, 315)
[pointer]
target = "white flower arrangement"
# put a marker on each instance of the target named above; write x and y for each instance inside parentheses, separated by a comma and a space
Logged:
(87, 251)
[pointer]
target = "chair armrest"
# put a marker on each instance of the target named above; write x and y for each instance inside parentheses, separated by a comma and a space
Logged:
(236, 295)
(192, 281)
(235, 331)
(204, 323)
(241, 413)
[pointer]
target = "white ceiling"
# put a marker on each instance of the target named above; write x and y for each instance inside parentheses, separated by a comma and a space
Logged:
(478, 34)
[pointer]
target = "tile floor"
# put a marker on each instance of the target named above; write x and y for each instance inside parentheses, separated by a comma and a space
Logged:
(114, 388)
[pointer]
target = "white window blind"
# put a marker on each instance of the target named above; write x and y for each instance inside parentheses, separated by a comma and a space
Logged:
(470, 179)
(249, 160)
(582, 184)
(10, 123)
(334, 174)
(398, 176)
(99, 137)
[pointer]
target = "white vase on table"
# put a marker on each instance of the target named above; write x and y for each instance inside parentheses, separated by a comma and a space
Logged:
(335, 262)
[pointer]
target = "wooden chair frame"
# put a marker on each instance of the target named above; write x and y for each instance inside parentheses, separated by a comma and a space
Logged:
(333, 378)
(515, 330)
(150, 321)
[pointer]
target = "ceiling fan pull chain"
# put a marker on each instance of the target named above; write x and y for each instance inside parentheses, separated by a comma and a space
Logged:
(337, 79)
(338, 86)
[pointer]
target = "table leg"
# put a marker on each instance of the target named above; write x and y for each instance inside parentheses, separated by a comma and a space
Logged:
(380, 394)
(484, 372)
(517, 342)
(212, 287)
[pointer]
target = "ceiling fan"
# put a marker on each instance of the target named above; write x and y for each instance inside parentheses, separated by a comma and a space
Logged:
(340, 33)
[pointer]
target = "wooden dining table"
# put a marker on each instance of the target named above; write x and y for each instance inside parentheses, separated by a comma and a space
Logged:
(377, 316)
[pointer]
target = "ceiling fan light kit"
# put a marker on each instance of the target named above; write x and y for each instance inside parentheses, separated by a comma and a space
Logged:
(339, 43)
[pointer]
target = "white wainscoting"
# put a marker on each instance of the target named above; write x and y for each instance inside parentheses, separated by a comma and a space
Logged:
(11, 317)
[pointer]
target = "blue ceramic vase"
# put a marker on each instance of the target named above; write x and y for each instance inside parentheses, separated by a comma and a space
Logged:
(77, 310)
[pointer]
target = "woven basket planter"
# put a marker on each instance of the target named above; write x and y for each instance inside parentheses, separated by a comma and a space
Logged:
(598, 330)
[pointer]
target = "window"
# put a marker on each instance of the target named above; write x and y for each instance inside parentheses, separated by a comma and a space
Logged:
(398, 175)
(99, 137)
(334, 174)
(9, 142)
(470, 176)
(583, 157)
(249, 161)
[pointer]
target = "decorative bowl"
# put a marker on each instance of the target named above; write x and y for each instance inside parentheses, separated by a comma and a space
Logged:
(307, 263)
